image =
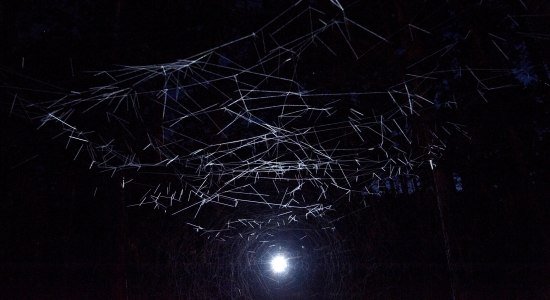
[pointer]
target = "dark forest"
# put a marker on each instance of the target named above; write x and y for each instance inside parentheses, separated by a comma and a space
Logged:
(170, 149)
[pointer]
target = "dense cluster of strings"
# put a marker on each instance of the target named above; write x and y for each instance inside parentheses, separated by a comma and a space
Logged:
(266, 124)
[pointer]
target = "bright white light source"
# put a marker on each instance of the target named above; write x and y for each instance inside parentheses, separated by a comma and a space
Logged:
(279, 264)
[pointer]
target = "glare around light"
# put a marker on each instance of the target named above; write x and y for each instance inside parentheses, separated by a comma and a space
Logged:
(279, 264)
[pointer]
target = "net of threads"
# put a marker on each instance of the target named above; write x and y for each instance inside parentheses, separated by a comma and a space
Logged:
(268, 121)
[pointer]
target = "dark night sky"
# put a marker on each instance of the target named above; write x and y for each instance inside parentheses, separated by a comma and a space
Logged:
(67, 232)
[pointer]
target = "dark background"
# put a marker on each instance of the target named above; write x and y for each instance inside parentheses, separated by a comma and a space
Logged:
(60, 238)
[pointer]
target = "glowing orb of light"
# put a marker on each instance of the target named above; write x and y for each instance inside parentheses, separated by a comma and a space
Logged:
(279, 264)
